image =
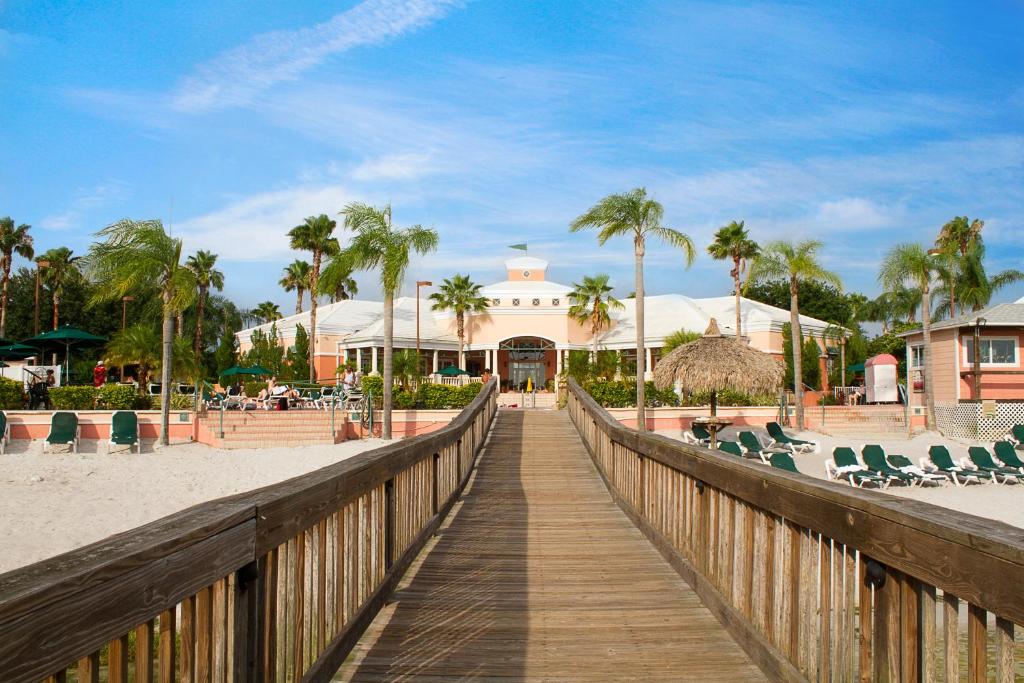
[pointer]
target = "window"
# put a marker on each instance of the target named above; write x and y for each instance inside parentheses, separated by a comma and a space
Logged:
(917, 356)
(495, 302)
(555, 302)
(536, 302)
(994, 350)
(515, 302)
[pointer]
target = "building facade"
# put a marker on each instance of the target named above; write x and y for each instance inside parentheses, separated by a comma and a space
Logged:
(526, 332)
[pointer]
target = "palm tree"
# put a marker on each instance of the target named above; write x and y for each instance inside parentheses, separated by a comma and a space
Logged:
(406, 366)
(634, 215)
(13, 240)
(796, 263)
(956, 238)
(973, 283)
(732, 242)
(136, 345)
(316, 234)
(461, 296)
(62, 270)
(267, 312)
(677, 339)
(911, 264)
(203, 268)
(377, 245)
(341, 289)
(135, 254)
(296, 278)
(591, 302)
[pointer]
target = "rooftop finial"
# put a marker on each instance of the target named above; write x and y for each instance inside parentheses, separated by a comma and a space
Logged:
(712, 330)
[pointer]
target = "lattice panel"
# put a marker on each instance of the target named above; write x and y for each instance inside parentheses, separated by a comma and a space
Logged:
(965, 421)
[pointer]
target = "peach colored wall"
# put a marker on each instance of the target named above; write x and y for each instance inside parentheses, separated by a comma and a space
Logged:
(95, 424)
(993, 385)
(944, 373)
(497, 328)
(681, 418)
(535, 276)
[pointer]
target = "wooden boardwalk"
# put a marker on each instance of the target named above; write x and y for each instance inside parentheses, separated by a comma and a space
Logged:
(538, 576)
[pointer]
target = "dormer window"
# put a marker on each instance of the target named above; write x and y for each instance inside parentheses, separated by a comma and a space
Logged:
(556, 302)
(495, 302)
(536, 302)
(515, 302)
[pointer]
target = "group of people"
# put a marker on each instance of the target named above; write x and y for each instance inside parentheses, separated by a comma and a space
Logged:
(279, 395)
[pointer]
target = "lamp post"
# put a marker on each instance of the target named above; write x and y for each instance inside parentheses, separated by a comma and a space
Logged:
(419, 283)
(124, 323)
(978, 324)
(42, 263)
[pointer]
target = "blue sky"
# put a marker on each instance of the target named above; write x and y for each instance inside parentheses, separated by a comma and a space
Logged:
(862, 124)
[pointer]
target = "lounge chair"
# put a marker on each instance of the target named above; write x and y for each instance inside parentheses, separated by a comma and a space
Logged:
(5, 432)
(731, 447)
(874, 459)
(981, 459)
(844, 465)
(63, 430)
(940, 461)
(783, 461)
(698, 434)
(1007, 455)
(795, 445)
(904, 464)
(124, 430)
(1016, 435)
(754, 448)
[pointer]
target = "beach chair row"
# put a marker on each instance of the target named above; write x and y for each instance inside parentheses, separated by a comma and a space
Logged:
(322, 398)
(66, 430)
(777, 440)
(881, 470)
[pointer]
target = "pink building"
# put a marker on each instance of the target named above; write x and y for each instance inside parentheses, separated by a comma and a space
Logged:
(526, 333)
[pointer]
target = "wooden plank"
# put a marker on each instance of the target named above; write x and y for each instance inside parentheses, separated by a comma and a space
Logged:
(927, 597)
(187, 666)
(951, 635)
(117, 660)
(144, 644)
(167, 654)
(1004, 651)
(204, 635)
(910, 611)
(321, 595)
(89, 668)
(218, 631)
(887, 629)
(977, 644)
(865, 625)
(824, 610)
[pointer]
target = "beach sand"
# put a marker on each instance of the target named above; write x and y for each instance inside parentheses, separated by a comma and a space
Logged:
(995, 501)
(53, 503)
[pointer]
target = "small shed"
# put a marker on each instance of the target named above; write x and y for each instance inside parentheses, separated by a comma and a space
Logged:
(881, 379)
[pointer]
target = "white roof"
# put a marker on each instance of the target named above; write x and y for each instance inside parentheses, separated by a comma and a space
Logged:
(534, 287)
(433, 326)
(526, 263)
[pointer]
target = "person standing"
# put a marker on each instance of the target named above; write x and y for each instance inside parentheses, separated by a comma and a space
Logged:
(99, 374)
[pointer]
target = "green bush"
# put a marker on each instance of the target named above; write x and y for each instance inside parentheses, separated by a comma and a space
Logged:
(73, 397)
(373, 384)
(426, 397)
(116, 397)
(466, 393)
(178, 402)
(731, 398)
(142, 402)
(252, 389)
(622, 394)
(403, 399)
(12, 396)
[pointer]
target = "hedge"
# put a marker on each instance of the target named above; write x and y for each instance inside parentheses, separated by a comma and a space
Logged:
(12, 397)
(73, 397)
(426, 397)
(623, 394)
(178, 401)
(116, 397)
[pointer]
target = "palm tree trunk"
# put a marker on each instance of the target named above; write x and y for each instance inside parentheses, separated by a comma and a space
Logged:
(165, 373)
(298, 300)
(641, 366)
(200, 312)
(798, 365)
(3, 296)
(736, 287)
(389, 336)
(929, 388)
(56, 310)
(180, 322)
(314, 285)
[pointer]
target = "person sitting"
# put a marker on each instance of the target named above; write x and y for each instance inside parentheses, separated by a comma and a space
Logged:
(485, 376)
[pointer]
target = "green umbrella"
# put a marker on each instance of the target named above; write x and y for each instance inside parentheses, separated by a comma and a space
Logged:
(238, 370)
(856, 367)
(17, 351)
(452, 371)
(64, 337)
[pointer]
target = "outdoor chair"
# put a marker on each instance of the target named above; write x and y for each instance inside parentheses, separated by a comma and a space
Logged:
(795, 445)
(981, 459)
(783, 461)
(754, 448)
(5, 432)
(1016, 435)
(874, 459)
(124, 430)
(940, 461)
(698, 434)
(904, 464)
(327, 396)
(844, 465)
(731, 447)
(1007, 455)
(63, 430)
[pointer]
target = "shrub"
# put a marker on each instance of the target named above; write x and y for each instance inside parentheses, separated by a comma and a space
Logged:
(116, 397)
(73, 397)
(466, 393)
(12, 396)
(731, 398)
(142, 402)
(403, 399)
(252, 389)
(435, 396)
(373, 384)
(622, 394)
(178, 401)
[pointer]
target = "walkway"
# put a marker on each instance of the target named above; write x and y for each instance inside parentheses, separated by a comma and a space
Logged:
(537, 575)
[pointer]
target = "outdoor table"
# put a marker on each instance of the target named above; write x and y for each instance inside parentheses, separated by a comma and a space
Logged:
(713, 424)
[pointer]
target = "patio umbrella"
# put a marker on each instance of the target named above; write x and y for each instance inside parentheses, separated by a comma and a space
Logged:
(64, 337)
(238, 370)
(714, 363)
(452, 371)
(17, 351)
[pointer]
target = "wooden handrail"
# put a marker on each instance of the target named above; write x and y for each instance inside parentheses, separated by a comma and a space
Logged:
(277, 583)
(785, 560)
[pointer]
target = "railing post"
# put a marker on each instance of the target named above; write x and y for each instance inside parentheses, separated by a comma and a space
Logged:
(249, 619)
(435, 493)
(389, 523)
(886, 583)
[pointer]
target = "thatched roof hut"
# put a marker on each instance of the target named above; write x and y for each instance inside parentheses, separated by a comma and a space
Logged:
(714, 363)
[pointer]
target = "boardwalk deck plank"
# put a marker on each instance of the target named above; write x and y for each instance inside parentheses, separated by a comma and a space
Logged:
(537, 575)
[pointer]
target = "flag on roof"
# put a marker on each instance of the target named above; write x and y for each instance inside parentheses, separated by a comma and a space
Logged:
(520, 247)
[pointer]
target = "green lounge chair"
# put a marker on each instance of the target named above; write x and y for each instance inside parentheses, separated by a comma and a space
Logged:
(124, 430)
(795, 445)
(1016, 434)
(698, 434)
(939, 460)
(1007, 455)
(982, 460)
(874, 459)
(754, 448)
(63, 430)
(904, 464)
(5, 432)
(853, 472)
(784, 461)
(730, 447)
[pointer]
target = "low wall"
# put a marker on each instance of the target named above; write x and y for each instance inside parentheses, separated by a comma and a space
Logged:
(659, 419)
(406, 423)
(95, 424)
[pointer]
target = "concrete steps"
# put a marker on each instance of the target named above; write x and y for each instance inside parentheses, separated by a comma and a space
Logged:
(269, 428)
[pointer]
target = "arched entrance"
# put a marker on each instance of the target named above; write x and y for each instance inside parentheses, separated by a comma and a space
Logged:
(527, 358)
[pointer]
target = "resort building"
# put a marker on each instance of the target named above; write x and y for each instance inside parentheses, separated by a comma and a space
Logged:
(1000, 331)
(526, 333)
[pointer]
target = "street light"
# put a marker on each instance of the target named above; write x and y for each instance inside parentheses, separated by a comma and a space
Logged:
(40, 264)
(978, 324)
(124, 321)
(419, 283)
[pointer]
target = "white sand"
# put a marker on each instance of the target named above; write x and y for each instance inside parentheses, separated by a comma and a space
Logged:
(995, 501)
(53, 503)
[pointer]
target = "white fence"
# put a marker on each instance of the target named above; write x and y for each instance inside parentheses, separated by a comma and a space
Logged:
(972, 421)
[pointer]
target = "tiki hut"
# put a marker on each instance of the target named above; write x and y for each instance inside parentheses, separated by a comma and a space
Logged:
(714, 363)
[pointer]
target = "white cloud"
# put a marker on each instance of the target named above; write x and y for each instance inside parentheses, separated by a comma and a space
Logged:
(393, 167)
(83, 203)
(235, 76)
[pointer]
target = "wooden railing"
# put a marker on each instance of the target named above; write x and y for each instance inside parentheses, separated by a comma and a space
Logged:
(816, 580)
(273, 585)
